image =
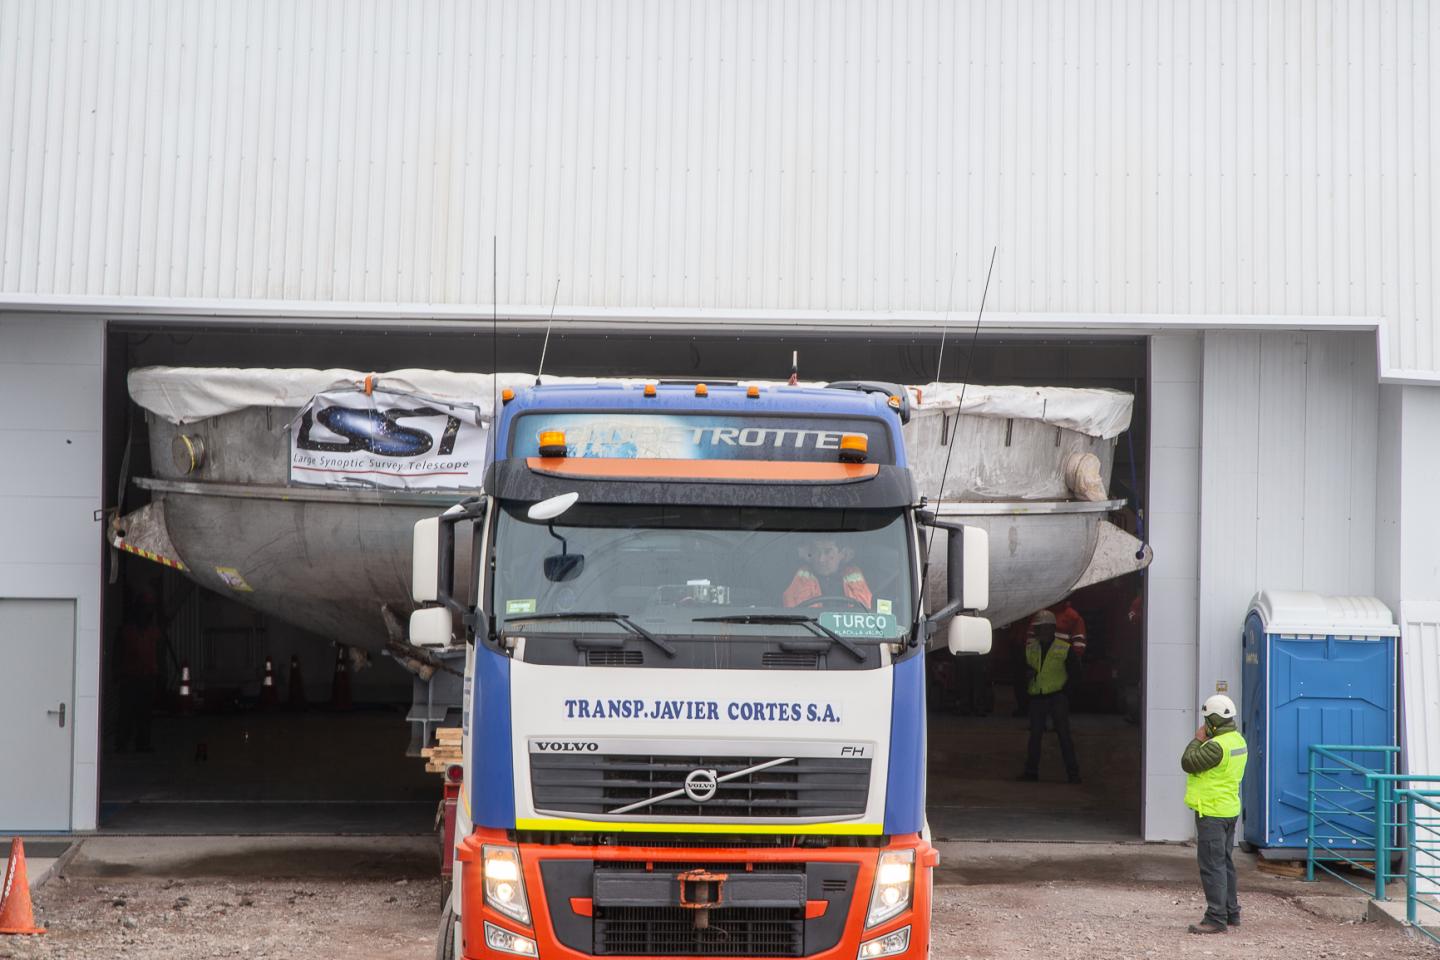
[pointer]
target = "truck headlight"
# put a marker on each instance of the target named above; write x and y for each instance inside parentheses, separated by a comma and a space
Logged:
(886, 946)
(498, 938)
(894, 886)
(505, 882)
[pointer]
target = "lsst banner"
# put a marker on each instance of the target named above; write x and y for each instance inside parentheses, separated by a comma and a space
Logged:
(386, 440)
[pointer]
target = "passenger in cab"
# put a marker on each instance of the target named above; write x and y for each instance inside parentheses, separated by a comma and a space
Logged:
(826, 572)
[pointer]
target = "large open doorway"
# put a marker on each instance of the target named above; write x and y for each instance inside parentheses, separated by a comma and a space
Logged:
(240, 755)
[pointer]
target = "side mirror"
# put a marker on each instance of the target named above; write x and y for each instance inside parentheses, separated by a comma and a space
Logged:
(431, 627)
(425, 561)
(970, 577)
(967, 581)
(969, 636)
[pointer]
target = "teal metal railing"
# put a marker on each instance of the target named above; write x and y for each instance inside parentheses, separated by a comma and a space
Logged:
(1366, 816)
(1422, 859)
(1351, 817)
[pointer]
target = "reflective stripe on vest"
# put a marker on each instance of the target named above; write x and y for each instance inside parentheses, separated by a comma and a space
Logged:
(1216, 792)
(1049, 674)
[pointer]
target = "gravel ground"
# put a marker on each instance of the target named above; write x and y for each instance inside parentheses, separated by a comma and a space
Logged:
(1059, 920)
(151, 919)
(1004, 902)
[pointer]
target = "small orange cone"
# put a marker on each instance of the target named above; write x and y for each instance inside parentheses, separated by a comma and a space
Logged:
(269, 696)
(16, 915)
(187, 699)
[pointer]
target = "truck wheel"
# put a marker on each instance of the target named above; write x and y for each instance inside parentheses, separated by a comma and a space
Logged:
(445, 938)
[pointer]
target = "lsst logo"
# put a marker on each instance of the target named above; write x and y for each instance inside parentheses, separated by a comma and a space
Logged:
(379, 432)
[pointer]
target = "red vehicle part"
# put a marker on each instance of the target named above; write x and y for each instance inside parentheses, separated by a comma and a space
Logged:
(445, 829)
(734, 861)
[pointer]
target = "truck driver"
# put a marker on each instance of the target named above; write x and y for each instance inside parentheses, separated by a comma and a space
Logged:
(826, 572)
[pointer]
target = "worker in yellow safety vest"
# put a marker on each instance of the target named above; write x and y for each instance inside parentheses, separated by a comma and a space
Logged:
(1049, 659)
(1214, 765)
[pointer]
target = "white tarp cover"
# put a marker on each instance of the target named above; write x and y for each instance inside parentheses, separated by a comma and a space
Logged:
(187, 394)
(1095, 412)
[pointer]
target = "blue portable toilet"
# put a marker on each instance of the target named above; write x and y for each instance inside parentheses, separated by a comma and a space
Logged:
(1317, 670)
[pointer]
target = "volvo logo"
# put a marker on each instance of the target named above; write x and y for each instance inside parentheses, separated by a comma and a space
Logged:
(565, 746)
(700, 785)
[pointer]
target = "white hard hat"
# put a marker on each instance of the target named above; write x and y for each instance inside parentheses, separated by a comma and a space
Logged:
(1219, 706)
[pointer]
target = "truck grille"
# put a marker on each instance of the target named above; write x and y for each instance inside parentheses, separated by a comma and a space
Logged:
(599, 784)
(671, 932)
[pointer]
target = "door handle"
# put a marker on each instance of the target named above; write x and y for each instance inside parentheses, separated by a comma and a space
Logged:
(57, 713)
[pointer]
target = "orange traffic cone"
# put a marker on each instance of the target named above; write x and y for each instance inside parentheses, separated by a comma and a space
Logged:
(16, 914)
(269, 696)
(340, 692)
(187, 699)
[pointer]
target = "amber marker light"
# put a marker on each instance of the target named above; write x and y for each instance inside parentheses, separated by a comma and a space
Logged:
(552, 443)
(507, 395)
(701, 390)
(753, 392)
(854, 447)
(649, 389)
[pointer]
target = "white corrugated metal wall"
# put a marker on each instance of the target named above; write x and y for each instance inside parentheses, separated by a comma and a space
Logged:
(1128, 157)
(1287, 479)
(50, 386)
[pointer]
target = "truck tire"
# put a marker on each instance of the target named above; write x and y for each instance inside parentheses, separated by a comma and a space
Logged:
(445, 937)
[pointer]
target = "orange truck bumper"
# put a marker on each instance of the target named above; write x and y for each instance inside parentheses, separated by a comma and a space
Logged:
(567, 924)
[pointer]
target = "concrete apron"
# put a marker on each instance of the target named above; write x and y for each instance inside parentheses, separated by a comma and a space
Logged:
(42, 858)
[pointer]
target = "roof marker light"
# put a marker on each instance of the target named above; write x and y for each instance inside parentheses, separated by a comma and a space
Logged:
(701, 390)
(854, 447)
(552, 443)
(649, 389)
(894, 403)
(753, 392)
(507, 395)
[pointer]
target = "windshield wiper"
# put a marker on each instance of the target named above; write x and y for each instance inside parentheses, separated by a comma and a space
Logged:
(800, 619)
(619, 618)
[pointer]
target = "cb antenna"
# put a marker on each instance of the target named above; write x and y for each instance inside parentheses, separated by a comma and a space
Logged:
(546, 345)
(494, 328)
(969, 364)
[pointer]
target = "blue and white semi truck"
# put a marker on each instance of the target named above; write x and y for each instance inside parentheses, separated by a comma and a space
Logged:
(694, 710)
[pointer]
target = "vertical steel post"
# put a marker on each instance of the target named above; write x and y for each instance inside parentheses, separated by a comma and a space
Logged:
(1412, 848)
(1382, 847)
(1310, 822)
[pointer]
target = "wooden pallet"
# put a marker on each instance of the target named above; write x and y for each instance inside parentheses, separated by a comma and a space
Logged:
(447, 750)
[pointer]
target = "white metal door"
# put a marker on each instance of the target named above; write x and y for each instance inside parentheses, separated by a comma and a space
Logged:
(37, 713)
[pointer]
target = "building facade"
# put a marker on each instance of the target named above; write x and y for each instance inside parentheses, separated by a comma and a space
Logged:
(1248, 186)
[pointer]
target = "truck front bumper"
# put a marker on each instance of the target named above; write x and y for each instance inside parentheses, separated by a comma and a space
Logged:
(695, 901)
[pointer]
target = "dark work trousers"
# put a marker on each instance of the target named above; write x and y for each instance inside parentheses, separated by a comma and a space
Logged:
(1056, 706)
(1214, 841)
(137, 703)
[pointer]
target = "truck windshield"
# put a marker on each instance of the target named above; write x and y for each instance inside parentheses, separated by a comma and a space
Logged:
(700, 572)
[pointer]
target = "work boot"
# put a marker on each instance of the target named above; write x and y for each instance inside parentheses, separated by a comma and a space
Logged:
(1233, 921)
(1207, 926)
